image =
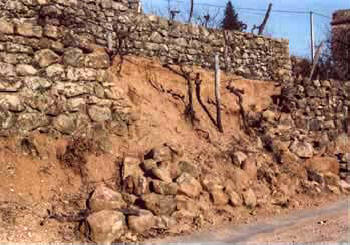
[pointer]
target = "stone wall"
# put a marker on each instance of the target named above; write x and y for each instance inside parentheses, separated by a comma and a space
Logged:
(50, 77)
(151, 36)
(53, 58)
(341, 42)
(319, 107)
(248, 55)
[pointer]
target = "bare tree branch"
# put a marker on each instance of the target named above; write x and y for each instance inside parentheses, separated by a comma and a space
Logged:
(261, 27)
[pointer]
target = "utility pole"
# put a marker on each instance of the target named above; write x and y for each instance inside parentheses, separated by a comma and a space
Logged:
(312, 36)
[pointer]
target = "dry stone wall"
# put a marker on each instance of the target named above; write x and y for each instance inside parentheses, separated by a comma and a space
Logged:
(341, 42)
(246, 54)
(317, 106)
(53, 76)
(50, 77)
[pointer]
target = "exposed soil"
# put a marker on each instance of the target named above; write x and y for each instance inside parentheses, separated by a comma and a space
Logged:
(40, 177)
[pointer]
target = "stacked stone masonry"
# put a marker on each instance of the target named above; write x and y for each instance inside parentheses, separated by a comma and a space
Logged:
(320, 107)
(341, 42)
(51, 75)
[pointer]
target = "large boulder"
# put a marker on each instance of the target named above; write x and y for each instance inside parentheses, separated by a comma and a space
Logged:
(302, 149)
(188, 185)
(142, 222)
(106, 226)
(131, 167)
(162, 174)
(239, 180)
(160, 154)
(164, 188)
(184, 202)
(159, 204)
(250, 168)
(104, 198)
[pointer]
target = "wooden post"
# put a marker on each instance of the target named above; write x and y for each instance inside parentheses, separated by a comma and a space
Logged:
(217, 93)
(315, 60)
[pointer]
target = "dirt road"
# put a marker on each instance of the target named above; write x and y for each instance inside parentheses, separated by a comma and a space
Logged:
(326, 224)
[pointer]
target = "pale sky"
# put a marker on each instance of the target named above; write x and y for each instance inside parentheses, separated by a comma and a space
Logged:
(292, 26)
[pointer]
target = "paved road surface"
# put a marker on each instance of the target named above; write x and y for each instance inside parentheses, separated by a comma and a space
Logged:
(327, 224)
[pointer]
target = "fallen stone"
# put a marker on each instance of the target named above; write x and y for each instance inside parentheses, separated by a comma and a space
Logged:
(104, 198)
(333, 189)
(143, 222)
(210, 183)
(235, 198)
(131, 167)
(130, 199)
(164, 222)
(187, 167)
(184, 202)
(250, 168)
(106, 226)
(302, 149)
(148, 165)
(188, 185)
(160, 154)
(249, 198)
(219, 197)
(159, 204)
(184, 216)
(164, 188)
(162, 174)
(238, 158)
(141, 185)
(239, 180)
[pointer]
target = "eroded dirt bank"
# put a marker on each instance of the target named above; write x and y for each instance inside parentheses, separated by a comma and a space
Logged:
(183, 176)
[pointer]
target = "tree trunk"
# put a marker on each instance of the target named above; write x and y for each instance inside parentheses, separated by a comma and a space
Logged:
(267, 15)
(217, 93)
